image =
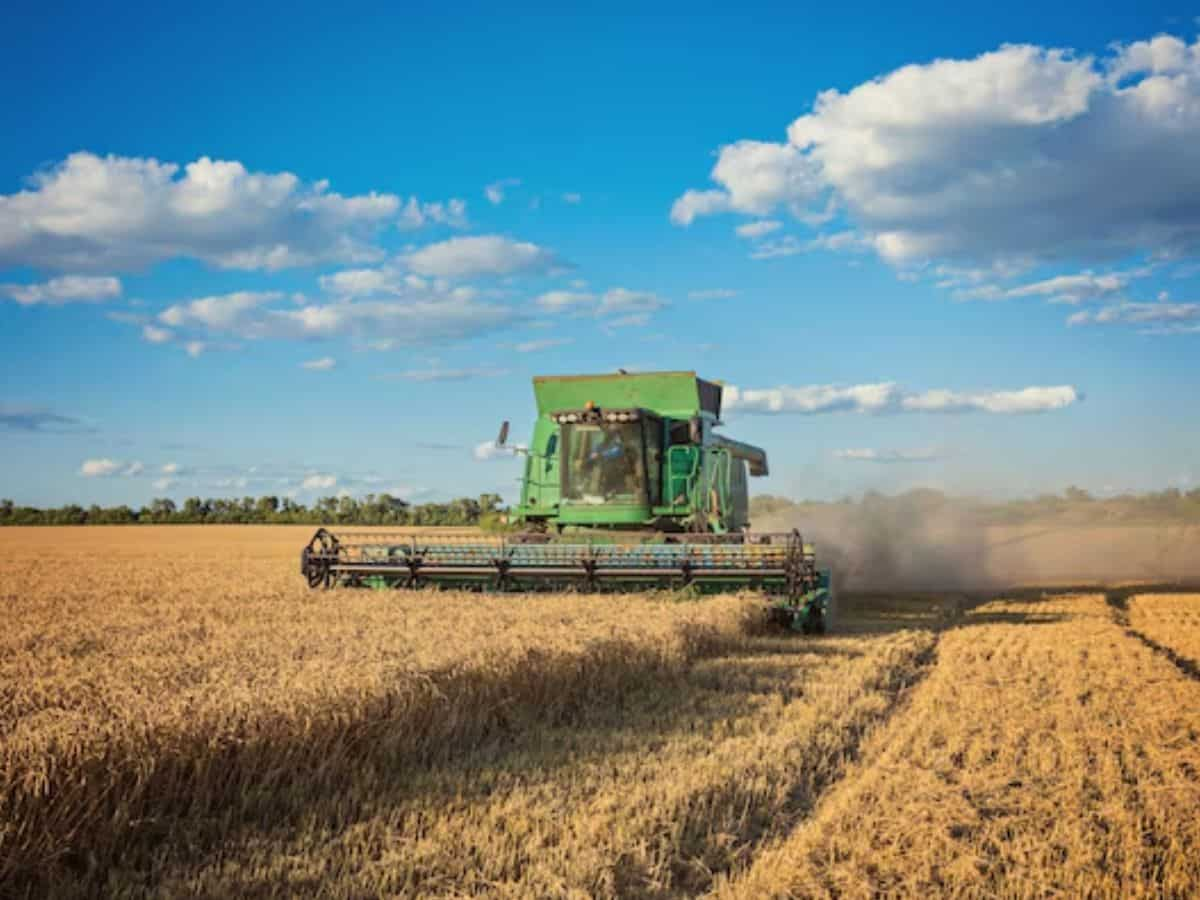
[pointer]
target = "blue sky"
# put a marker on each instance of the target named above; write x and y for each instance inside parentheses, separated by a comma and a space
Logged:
(253, 250)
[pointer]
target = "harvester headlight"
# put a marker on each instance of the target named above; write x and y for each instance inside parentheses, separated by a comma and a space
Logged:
(571, 417)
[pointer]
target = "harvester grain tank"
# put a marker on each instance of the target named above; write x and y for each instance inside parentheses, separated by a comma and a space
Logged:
(627, 485)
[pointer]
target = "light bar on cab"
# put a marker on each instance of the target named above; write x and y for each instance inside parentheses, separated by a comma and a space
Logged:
(596, 416)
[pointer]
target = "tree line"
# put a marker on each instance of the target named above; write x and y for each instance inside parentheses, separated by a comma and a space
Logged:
(488, 509)
(373, 509)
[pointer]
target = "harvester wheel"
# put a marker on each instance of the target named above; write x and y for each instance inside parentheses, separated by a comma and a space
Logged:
(317, 574)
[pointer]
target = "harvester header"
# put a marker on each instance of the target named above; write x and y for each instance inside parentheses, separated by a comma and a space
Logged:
(627, 484)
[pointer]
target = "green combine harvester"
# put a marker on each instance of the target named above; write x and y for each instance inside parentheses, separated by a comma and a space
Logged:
(627, 486)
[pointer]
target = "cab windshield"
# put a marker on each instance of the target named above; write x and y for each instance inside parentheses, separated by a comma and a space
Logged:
(604, 462)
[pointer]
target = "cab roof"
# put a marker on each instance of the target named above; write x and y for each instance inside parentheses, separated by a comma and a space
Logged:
(675, 395)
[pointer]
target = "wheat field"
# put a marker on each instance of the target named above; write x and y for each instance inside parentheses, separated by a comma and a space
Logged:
(181, 716)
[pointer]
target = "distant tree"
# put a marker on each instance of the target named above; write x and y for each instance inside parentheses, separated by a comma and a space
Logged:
(266, 508)
(162, 509)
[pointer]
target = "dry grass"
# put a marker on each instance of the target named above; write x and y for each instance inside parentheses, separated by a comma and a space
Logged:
(155, 676)
(1048, 754)
(651, 798)
(1172, 621)
(180, 716)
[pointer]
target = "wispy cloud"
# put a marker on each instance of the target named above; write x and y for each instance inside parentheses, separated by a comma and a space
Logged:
(543, 344)
(618, 307)
(864, 454)
(439, 374)
(785, 246)
(758, 229)
(889, 397)
(323, 364)
(420, 314)
(489, 451)
(1162, 317)
(712, 294)
(495, 191)
(32, 418)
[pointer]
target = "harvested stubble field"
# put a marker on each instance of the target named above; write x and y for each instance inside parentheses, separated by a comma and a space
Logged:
(180, 716)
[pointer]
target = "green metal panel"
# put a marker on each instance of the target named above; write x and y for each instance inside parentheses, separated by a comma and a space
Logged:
(672, 394)
(540, 490)
(607, 514)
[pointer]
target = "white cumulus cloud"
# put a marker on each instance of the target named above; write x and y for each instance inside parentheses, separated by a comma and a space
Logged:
(889, 397)
(99, 468)
(400, 314)
(1025, 400)
(220, 313)
(104, 468)
(1022, 153)
(65, 289)
(415, 214)
(118, 212)
(489, 254)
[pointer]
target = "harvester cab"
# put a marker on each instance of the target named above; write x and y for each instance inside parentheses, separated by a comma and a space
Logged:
(634, 452)
(626, 485)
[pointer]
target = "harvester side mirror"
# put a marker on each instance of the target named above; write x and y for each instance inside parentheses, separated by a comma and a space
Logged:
(695, 431)
(502, 438)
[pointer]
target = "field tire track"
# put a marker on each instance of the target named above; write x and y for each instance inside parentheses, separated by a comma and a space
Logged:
(804, 800)
(1118, 603)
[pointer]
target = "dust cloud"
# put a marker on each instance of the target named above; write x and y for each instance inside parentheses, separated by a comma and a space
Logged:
(894, 543)
(925, 541)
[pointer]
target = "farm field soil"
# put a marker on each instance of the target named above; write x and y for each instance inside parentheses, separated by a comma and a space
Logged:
(179, 715)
